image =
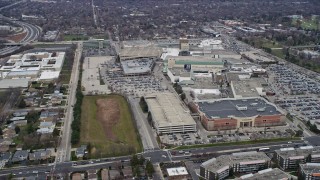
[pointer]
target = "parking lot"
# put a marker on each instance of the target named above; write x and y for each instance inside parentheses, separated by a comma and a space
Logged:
(137, 86)
(297, 93)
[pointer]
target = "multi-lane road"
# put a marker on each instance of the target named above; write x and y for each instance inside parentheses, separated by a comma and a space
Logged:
(156, 156)
(32, 34)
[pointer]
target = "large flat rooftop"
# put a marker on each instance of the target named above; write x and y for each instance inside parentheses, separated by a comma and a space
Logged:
(137, 66)
(167, 110)
(224, 108)
(267, 174)
(137, 52)
(292, 153)
(223, 162)
(311, 168)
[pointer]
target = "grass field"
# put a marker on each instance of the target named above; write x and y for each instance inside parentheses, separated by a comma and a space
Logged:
(279, 53)
(106, 138)
(307, 23)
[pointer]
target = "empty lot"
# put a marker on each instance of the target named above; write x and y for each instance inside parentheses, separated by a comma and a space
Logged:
(106, 124)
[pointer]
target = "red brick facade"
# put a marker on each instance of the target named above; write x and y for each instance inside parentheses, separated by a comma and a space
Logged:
(231, 123)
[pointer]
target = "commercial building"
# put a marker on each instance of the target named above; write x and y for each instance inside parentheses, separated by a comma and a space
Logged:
(169, 114)
(184, 44)
(194, 62)
(33, 66)
(140, 52)
(229, 113)
(245, 162)
(267, 174)
(177, 173)
(309, 171)
(138, 66)
(290, 158)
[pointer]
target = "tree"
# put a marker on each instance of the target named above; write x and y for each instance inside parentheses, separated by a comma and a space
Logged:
(149, 168)
(17, 129)
(134, 160)
(55, 132)
(299, 133)
(30, 128)
(22, 104)
(1, 132)
(183, 96)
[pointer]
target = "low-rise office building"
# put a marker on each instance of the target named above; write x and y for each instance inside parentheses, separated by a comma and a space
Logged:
(169, 114)
(228, 113)
(245, 162)
(309, 171)
(267, 174)
(290, 158)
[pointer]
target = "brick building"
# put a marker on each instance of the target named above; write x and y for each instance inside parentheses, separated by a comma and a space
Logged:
(225, 114)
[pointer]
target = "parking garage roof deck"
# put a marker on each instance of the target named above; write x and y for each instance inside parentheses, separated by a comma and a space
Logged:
(228, 107)
(167, 110)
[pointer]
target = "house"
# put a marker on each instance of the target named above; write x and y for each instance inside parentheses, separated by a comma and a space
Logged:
(56, 98)
(20, 155)
(9, 133)
(40, 155)
(104, 174)
(46, 114)
(77, 176)
(46, 127)
(20, 122)
(5, 157)
(92, 174)
(81, 151)
(114, 174)
(127, 172)
(20, 113)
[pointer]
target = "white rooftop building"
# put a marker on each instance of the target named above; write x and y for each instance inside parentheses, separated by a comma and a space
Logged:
(31, 66)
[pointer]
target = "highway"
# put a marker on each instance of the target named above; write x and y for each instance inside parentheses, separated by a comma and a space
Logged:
(63, 151)
(33, 32)
(156, 157)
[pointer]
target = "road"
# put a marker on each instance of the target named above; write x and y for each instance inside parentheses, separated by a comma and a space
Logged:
(33, 32)
(155, 157)
(147, 137)
(63, 152)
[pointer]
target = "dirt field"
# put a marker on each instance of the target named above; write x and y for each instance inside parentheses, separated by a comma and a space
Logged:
(107, 125)
(108, 114)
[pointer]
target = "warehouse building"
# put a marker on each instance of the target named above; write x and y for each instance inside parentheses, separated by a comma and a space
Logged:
(309, 171)
(244, 162)
(290, 158)
(169, 114)
(229, 113)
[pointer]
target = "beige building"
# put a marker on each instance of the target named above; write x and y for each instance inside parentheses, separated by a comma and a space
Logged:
(168, 114)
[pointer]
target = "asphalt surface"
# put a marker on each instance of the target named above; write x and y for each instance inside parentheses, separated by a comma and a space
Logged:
(156, 157)
(63, 152)
(33, 32)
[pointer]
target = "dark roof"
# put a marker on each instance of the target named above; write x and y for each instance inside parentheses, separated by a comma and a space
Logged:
(226, 108)
(5, 156)
(20, 155)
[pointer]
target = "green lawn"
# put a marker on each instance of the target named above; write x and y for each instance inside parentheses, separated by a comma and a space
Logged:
(279, 53)
(128, 141)
(238, 143)
(65, 76)
(307, 23)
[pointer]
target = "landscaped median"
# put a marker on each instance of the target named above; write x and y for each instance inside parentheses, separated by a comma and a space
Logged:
(238, 143)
